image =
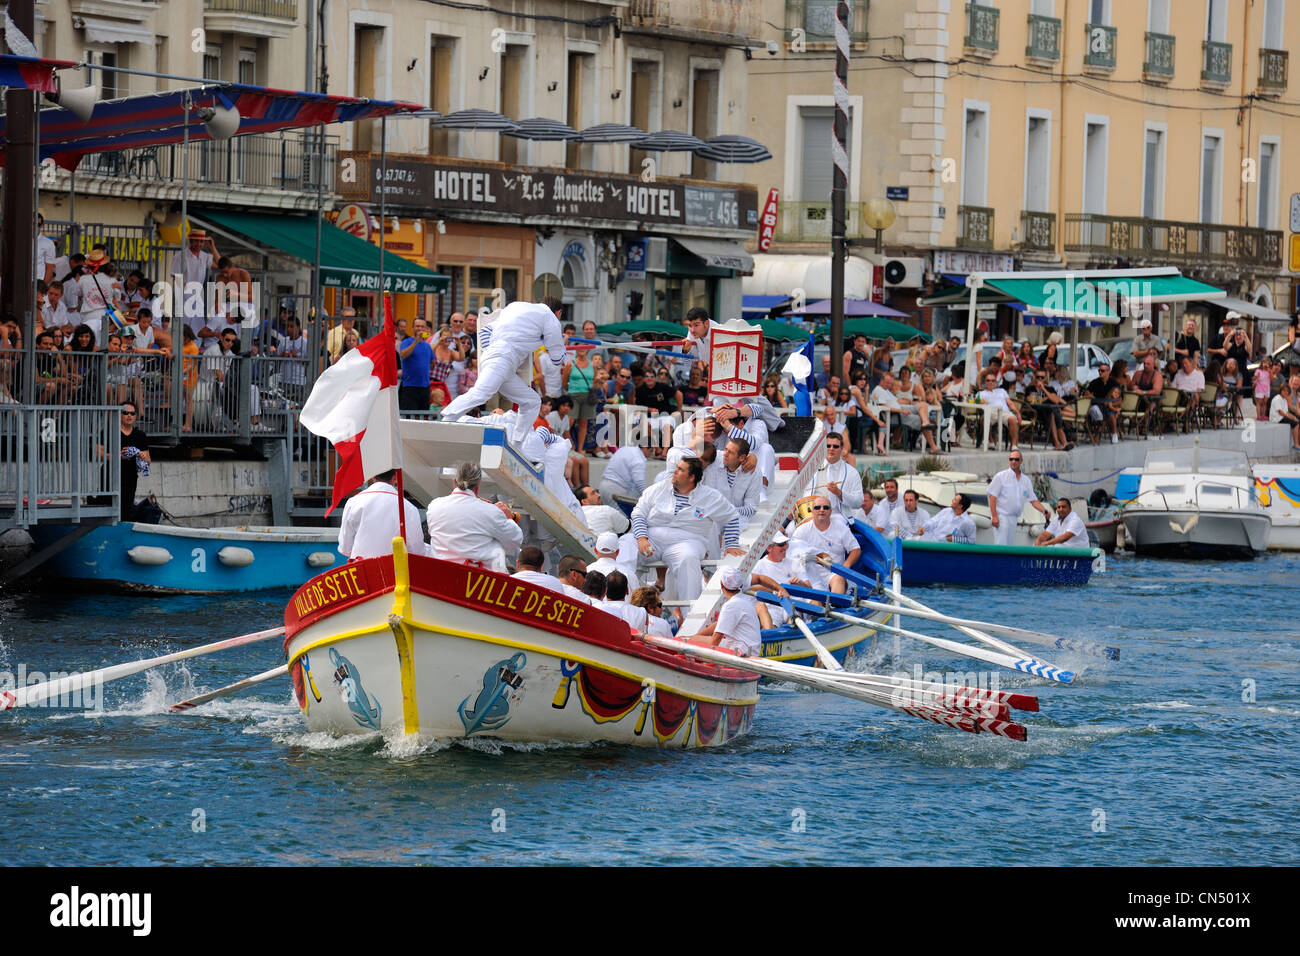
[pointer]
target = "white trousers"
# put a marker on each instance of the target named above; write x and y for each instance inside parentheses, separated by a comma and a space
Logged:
(497, 374)
(682, 552)
(1005, 532)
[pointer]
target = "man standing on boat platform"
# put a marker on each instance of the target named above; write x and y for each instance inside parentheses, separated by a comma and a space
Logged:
(370, 521)
(837, 480)
(1009, 492)
(1066, 529)
(468, 530)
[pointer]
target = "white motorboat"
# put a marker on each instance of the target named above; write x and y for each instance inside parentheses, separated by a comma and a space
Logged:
(1196, 502)
(937, 488)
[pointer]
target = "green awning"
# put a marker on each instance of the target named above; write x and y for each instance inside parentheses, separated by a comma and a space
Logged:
(1066, 298)
(1166, 288)
(346, 261)
(875, 327)
(654, 326)
(959, 298)
(774, 331)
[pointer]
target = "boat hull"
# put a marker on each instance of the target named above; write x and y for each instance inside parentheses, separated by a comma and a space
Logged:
(471, 653)
(846, 642)
(1277, 487)
(941, 562)
(1199, 533)
(147, 558)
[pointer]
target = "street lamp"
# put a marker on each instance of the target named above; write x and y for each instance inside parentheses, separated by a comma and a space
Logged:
(879, 214)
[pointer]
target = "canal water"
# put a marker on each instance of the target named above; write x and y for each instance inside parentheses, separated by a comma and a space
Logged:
(1185, 751)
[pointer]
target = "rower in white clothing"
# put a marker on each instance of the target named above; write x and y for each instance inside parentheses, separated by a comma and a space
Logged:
(908, 521)
(1066, 529)
(599, 516)
(370, 521)
(1009, 492)
(624, 474)
(514, 335)
(952, 523)
(466, 529)
(675, 519)
(783, 569)
(821, 537)
(737, 628)
(529, 568)
(889, 504)
(837, 480)
(615, 554)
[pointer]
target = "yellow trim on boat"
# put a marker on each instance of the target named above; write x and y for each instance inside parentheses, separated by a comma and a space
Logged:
(335, 638)
(400, 622)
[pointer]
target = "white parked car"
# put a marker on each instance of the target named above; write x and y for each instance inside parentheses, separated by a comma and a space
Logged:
(1092, 355)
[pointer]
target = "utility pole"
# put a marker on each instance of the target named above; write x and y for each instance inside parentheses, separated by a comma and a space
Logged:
(18, 237)
(839, 182)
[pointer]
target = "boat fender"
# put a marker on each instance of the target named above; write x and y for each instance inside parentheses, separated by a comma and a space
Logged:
(321, 559)
(144, 554)
(233, 557)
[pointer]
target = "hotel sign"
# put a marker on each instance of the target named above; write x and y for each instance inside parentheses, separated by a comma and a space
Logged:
(429, 183)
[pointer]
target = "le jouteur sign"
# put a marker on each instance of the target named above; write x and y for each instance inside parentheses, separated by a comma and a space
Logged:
(426, 183)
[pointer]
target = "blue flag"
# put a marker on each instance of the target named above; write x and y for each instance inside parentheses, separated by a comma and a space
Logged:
(803, 394)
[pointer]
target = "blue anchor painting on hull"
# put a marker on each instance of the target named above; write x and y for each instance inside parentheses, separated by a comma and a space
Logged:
(365, 713)
(502, 685)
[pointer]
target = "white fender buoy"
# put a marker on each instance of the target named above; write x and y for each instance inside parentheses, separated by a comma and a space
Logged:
(233, 557)
(321, 559)
(144, 554)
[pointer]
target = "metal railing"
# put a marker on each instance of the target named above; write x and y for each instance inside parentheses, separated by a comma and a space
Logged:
(280, 161)
(62, 378)
(975, 227)
(738, 19)
(276, 9)
(1038, 231)
(1177, 242)
(1216, 62)
(1044, 38)
(982, 28)
(59, 462)
(816, 18)
(1099, 53)
(811, 221)
(1159, 62)
(1272, 71)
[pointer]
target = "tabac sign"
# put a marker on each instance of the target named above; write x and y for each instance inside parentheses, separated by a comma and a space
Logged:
(423, 182)
(735, 359)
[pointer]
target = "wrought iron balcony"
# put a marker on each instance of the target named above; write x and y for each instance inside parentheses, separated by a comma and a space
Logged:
(1272, 71)
(982, 29)
(1216, 63)
(1099, 54)
(974, 227)
(1044, 38)
(1037, 231)
(1159, 62)
(811, 221)
(1175, 242)
(816, 18)
(275, 9)
(687, 19)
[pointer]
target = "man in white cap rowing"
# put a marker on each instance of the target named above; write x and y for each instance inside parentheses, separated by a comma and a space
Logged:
(782, 569)
(738, 627)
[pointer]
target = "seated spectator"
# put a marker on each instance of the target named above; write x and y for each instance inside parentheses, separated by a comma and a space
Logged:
(52, 382)
(1190, 380)
(1100, 412)
(1281, 411)
(1048, 405)
(124, 373)
(1000, 407)
(1066, 529)
(772, 391)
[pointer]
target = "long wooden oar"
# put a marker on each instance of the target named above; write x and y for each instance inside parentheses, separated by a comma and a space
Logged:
(36, 693)
(244, 684)
(836, 684)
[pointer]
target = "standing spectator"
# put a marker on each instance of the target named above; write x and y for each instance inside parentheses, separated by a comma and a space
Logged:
(820, 379)
(95, 293)
(1263, 388)
(346, 325)
(1146, 343)
(417, 357)
(882, 363)
(1052, 353)
(658, 400)
(1187, 344)
(772, 391)
(135, 458)
(696, 390)
(124, 371)
(1025, 357)
(45, 253)
(350, 342)
(1009, 492)
(190, 268)
(54, 314)
(1218, 347)
(579, 382)
(293, 375)
(446, 353)
(135, 291)
(856, 359)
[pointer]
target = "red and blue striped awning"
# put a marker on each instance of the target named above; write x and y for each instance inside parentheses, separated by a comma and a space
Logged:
(31, 73)
(157, 119)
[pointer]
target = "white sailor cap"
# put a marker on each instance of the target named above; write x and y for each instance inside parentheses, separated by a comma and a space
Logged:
(780, 538)
(733, 579)
(607, 543)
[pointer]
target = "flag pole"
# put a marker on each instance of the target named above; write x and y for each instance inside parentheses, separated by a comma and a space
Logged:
(397, 480)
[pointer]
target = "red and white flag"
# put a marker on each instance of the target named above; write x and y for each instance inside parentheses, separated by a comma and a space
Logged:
(354, 405)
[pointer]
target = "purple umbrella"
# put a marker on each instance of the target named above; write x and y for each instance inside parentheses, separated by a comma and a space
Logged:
(852, 308)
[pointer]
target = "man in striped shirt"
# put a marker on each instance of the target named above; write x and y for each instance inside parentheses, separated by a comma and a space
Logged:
(675, 519)
(738, 486)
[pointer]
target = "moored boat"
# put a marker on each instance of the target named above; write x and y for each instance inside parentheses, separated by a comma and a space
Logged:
(1277, 488)
(153, 558)
(942, 562)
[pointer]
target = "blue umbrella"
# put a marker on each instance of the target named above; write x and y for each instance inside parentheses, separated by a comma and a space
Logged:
(543, 130)
(734, 149)
(611, 133)
(476, 119)
(669, 141)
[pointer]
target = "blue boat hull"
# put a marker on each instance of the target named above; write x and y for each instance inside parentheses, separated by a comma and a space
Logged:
(932, 562)
(163, 559)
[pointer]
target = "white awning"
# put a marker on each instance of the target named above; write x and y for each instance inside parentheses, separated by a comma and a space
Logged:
(780, 275)
(1254, 310)
(719, 253)
(114, 31)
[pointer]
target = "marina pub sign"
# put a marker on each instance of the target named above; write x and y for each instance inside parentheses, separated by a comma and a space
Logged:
(420, 182)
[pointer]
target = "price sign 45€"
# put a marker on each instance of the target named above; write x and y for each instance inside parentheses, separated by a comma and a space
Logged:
(735, 361)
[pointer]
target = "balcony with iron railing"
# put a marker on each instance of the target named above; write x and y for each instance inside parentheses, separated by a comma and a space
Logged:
(811, 221)
(1162, 240)
(284, 162)
(981, 30)
(1158, 66)
(1216, 63)
(729, 20)
(1044, 39)
(1272, 72)
(816, 18)
(1099, 54)
(974, 227)
(1037, 231)
(275, 9)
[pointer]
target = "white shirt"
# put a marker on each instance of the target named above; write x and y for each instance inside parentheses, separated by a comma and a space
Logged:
(292, 373)
(548, 581)
(1277, 408)
(92, 294)
(216, 361)
(602, 518)
(520, 329)
(55, 317)
(885, 398)
(738, 622)
(1012, 493)
(741, 488)
(1072, 525)
(625, 471)
(847, 478)
(996, 397)
(706, 506)
(884, 511)
(190, 267)
(947, 522)
(370, 523)
(464, 527)
(141, 337)
(905, 524)
(699, 348)
(782, 572)
(1195, 382)
(836, 541)
(608, 566)
(877, 518)
(46, 255)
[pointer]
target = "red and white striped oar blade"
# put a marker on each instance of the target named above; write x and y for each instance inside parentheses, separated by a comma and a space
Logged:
(1003, 728)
